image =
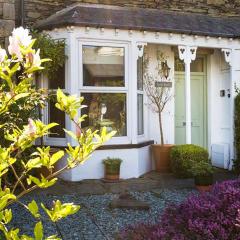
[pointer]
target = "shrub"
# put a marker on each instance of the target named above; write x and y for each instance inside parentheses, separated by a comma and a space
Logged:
(211, 216)
(183, 157)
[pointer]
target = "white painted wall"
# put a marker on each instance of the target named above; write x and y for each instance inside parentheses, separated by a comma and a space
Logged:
(219, 107)
(135, 163)
(168, 114)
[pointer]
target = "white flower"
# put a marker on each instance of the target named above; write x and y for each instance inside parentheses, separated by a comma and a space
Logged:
(14, 48)
(31, 128)
(3, 54)
(20, 37)
(37, 59)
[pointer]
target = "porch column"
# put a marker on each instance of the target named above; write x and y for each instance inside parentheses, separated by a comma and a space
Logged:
(232, 57)
(137, 51)
(188, 54)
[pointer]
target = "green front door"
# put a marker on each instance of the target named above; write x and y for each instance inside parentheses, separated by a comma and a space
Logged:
(198, 106)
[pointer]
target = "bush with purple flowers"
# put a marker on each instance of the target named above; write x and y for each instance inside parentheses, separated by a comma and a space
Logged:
(208, 216)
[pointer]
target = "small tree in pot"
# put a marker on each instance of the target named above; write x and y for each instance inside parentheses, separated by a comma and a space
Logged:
(157, 87)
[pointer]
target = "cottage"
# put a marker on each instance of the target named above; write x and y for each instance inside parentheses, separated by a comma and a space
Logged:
(106, 46)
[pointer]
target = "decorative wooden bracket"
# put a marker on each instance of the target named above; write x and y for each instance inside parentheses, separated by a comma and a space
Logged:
(187, 53)
(228, 55)
(140, 49)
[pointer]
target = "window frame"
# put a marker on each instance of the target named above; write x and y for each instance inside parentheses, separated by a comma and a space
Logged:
(102, 89)
(141, 92)
(53, 141)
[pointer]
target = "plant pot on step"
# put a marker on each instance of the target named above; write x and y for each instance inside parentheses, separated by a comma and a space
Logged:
(204, 183)
(161, 156)
(112, 169)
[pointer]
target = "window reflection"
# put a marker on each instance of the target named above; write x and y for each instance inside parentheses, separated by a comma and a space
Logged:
(106, 110)
(103, 66)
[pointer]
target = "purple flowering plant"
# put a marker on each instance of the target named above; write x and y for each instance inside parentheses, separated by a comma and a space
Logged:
(207, 216)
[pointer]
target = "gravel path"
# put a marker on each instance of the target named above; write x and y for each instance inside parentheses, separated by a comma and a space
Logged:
(95, 220)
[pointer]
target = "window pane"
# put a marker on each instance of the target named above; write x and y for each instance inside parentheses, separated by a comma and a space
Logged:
(58, 81)
(196, 65)
(106, 110)
(140, 73)
(140, 114)
(57, 116)
(103, 66)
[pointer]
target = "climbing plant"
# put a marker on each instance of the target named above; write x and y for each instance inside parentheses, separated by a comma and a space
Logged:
(53, 49)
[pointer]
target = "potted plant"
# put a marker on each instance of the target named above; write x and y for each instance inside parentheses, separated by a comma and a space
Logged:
(157, 87)
(203, 176)
(112, 168)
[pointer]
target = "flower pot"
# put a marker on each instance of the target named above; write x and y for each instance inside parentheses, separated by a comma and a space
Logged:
(112, 172)
(161, 155)
(204, 183)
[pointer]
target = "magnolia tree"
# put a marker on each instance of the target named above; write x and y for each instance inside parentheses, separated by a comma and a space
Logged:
(158, 96)
(23, 61)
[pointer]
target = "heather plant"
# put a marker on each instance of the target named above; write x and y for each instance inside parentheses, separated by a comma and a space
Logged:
(23, 61)
(211, 216)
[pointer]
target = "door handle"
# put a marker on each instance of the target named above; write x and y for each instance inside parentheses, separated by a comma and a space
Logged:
(184, 124)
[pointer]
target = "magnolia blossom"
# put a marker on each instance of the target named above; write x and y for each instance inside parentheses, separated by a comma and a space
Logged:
(31, 128)
(3, 54)
(37, 59)
(20, 37)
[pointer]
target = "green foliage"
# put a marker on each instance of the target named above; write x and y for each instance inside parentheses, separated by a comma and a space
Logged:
(112, 161)
(236, 165)
(21, 139)
(184, 157)
(50, 49)
(202, 169)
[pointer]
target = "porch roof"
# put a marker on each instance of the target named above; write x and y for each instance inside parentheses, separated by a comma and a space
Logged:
(127, 18)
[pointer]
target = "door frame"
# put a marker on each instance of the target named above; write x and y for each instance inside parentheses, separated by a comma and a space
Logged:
(204, 74)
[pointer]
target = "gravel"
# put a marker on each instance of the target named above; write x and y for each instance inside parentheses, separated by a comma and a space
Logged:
(95, 220)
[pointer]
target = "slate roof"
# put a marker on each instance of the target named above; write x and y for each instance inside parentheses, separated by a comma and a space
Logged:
(142, 19)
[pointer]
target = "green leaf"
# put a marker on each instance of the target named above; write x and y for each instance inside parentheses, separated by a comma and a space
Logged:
(71, 134)
(38, 231)
(56, 156)
(33, 208)
(60, 210)
(34, 163)
(41, 183)
(6, 216)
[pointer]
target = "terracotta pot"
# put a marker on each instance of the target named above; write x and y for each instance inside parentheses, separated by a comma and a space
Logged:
(204, 188)
(112, 172)
(161, 155)
(204, 183)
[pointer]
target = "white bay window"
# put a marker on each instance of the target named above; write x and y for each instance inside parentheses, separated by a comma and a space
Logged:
(104, 87)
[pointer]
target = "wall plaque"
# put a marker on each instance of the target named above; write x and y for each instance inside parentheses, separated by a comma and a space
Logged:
(163, 84)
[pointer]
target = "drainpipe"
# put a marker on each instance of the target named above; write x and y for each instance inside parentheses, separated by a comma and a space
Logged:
(22, 13)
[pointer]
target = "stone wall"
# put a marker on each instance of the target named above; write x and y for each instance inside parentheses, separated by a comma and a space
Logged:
(40, 9)
(7, 20)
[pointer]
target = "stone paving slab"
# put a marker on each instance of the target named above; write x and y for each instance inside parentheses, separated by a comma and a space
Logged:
(147, 182)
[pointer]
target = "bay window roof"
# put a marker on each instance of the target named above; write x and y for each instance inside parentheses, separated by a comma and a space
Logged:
(130, 18)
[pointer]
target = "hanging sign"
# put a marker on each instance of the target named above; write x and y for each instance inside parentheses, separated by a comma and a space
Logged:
(163, 84)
